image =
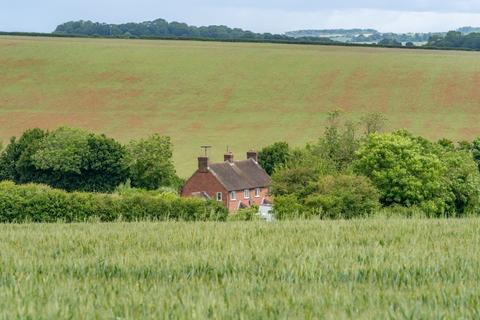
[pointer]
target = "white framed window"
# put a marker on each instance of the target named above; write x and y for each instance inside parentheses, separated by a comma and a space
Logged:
(257, 192)
(233, 196)
(246, 194)
(219, 196)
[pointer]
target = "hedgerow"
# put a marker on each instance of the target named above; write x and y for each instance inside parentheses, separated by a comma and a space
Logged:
(39, 203)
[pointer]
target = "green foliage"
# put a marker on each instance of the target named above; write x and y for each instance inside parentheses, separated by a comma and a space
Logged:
(274, 156)
(339, 142)
(37, 203)
(64, 150)
(15, 160)
(373, 122)
(405, 170)
(455, 39)
(331, 197)
(463, 182)
(389, 43)
(163, 29)
(343, 197)
(150, 163)
(299, 181)
(246, 214)
(65, 158)
(288, 207)
(474, 147)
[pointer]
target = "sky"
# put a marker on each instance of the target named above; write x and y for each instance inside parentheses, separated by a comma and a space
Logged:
(276, 16)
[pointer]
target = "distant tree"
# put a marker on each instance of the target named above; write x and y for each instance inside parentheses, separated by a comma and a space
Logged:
(409, 44)
(446, 144)
(339, 142)
(390, 43)
(465, 146)
(373, 122)
(150, 163)
(274, 156)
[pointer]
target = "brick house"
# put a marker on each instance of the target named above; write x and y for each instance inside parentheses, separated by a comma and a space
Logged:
(238, 184)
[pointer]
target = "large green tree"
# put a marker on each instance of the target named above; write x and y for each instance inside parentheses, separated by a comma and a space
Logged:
(65, 158)
(150, 163)
(406, 170)
(274, 156)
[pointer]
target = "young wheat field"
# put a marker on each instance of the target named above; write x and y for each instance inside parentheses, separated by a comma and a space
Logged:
(363, 269)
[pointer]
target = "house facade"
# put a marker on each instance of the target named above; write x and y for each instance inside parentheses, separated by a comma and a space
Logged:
(237, 184)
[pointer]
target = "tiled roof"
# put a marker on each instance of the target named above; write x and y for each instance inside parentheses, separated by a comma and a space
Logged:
(240, 175)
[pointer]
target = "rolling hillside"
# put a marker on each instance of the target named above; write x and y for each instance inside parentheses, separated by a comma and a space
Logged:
(237, 94)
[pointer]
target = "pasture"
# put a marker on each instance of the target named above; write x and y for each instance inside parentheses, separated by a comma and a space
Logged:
(237, 94)
(361, 269)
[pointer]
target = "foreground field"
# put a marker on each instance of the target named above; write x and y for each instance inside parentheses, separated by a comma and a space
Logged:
(237, 94)
(359, 269)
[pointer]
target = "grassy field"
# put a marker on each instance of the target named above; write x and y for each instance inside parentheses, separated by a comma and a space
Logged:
(237, 94)
(367, 269)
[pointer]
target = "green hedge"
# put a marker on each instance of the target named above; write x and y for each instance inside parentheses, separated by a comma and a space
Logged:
(38, 203)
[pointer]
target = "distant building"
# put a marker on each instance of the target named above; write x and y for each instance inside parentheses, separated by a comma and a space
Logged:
(238, 184)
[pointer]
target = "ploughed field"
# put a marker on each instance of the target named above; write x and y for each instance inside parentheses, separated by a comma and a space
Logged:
(237, 94)
(364, 269)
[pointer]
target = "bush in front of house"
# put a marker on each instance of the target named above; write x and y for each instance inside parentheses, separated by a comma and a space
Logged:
(38, 203)
(246, 214)
(332, 197)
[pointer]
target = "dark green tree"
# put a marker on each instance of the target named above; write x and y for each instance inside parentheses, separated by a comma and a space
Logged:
(15, 161)
(274, 156)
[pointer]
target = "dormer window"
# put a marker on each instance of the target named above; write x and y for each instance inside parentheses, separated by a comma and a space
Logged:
(246, 194)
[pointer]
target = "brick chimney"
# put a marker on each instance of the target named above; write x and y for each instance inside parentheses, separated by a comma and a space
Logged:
(203, 164)
(252, 155)
(228, 157)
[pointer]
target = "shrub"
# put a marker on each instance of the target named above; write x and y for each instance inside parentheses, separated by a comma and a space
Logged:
(343, 197)
(288, 207)
(38, 203)
(247, 214)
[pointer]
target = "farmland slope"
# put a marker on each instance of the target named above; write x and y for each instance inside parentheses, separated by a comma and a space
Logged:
(237, 94)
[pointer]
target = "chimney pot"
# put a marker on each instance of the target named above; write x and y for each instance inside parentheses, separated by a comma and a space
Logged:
(252, 155)
(203, 164)
(228, 157)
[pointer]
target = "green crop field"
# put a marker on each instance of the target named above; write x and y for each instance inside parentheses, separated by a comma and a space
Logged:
(363, 269)
(237, 94)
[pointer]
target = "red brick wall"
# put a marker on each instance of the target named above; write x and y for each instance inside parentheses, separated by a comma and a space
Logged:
(234, 204)
(207, 182)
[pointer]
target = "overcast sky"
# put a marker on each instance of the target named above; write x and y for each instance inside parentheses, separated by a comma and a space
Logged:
(275, 16)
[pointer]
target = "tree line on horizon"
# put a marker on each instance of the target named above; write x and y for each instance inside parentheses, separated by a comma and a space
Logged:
(161, 28)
